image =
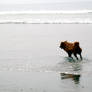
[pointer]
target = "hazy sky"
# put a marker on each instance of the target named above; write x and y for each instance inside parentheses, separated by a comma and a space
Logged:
(37, 1)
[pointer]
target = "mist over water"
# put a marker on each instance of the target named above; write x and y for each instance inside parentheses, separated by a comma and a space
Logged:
(48, 6)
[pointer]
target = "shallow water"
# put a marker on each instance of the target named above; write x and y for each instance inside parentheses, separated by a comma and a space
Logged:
(31, 60)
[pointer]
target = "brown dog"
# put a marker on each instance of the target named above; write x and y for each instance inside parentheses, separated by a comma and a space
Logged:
(71, 48)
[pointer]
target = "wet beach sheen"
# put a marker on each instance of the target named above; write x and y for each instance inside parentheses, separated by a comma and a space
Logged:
(31, 60)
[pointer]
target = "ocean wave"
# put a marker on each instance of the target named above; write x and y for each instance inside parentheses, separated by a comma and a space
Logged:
(45, 12)
(46, 23)
(46, 17)
(64, 22)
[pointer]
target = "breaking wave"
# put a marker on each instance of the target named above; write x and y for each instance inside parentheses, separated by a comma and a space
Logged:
(46, 17)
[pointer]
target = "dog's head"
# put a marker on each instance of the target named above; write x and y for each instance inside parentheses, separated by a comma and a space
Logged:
(77, 47)
(76, 44)
(62, 44)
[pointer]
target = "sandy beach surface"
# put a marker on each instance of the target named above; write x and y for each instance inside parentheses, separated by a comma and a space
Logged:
(31, 60)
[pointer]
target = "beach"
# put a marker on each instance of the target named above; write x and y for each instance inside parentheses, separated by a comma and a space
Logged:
(31, 60)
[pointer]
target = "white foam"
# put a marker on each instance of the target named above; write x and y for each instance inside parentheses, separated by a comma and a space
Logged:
(46, 17)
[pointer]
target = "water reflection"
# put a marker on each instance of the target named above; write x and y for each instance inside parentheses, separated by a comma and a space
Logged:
(69, 59)
(72, 59)
(74, 77)
(74, 68)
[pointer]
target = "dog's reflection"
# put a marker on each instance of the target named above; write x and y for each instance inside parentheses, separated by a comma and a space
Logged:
(74, 77)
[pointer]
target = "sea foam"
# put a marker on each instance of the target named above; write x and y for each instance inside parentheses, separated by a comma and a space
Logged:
(46, 17)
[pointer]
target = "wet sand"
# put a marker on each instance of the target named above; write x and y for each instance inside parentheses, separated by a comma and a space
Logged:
(31, 60)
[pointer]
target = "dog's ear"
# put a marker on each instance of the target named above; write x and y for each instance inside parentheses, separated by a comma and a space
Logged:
(65, 41)
(76, 43)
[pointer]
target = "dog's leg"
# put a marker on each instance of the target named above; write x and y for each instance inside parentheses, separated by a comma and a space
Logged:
(76, 56)
(80, 56)
(69, 54)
